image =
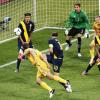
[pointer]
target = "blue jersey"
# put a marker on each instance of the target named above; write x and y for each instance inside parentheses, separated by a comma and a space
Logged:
(57, 48)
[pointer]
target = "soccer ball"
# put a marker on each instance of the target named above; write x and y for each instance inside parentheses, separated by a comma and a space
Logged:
(17, 31)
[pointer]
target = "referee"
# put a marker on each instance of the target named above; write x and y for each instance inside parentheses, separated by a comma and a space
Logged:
(27, 27)
(77, 22)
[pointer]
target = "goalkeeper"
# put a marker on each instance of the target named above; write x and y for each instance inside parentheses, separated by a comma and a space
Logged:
(78, 22)
(26, 27)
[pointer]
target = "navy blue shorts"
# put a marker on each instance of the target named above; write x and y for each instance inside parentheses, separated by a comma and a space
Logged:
(20, 45)
(57, 63)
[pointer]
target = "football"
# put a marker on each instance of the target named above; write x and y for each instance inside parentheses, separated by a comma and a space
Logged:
(17, 31)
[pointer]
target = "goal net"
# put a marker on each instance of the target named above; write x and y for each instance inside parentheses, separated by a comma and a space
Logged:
(45, 13)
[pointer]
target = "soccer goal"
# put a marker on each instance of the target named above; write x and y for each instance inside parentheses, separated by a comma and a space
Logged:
(45, 13)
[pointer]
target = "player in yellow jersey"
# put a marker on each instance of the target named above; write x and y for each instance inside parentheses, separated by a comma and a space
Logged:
(93, 46)
(96, 60)
(44, 70)
(96, 27)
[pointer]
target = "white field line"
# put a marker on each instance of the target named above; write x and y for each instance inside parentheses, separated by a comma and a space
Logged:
(9, 39)
(44, 51)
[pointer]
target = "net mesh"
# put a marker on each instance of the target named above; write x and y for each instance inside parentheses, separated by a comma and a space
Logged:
(45, 13)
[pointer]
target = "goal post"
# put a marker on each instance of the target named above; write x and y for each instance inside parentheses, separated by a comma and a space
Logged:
(45, 13)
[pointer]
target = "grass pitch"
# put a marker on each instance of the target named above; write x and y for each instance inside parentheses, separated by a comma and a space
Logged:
(22, 85)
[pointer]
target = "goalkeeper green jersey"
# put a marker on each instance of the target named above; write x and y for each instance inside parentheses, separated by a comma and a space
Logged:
(77, 20)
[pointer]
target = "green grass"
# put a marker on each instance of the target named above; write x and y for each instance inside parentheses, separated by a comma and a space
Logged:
(48, 12)
(22, 86)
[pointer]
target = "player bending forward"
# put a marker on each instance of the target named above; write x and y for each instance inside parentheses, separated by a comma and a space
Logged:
(43, 68)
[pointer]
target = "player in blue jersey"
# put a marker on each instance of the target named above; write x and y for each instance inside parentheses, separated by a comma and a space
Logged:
(56, 53)
(27, 27)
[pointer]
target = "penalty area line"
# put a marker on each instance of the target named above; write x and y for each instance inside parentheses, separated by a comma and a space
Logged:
(44, 51)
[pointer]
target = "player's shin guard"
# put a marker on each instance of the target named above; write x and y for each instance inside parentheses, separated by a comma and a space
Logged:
(57, 78)
(45, 86)
(68, 42)
(18, 64)
(79, 44)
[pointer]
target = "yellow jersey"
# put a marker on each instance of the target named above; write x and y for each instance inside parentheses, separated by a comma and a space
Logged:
(36, 57)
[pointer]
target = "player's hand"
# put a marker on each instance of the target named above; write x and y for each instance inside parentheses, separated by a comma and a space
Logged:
(98, 60)
(49, 66)
(24, 43)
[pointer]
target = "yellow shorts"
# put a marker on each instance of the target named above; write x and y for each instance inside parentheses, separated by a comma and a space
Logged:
(42, 71)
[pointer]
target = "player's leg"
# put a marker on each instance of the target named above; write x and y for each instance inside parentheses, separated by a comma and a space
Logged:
(66, 84)
(57, 63)
(98, 63)
(19, 56)
(43, 84)
(68, 38)
(92, 46)
(30, 44)
(79, 44)
(19, 59)
(90, 65)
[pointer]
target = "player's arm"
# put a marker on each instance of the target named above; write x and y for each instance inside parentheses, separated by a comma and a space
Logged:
(21, 39)
(69, 21)
(32, 29)
(85, 17)
(20, 26)
(51, 48)
(43, 58)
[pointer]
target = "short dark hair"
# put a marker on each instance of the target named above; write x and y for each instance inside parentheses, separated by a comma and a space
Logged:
(97, 16)
(77, 4)
(55, 34)
(27, 14)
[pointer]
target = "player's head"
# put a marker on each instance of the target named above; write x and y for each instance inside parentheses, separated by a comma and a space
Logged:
(77, 7)
(25, 45)
(27, 17)
(54, 34)
(97, 19)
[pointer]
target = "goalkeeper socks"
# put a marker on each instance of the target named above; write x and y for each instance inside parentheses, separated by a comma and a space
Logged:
(79, 44)
(18, 64)
(45, 86)
(57, 78)
(68, 42)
